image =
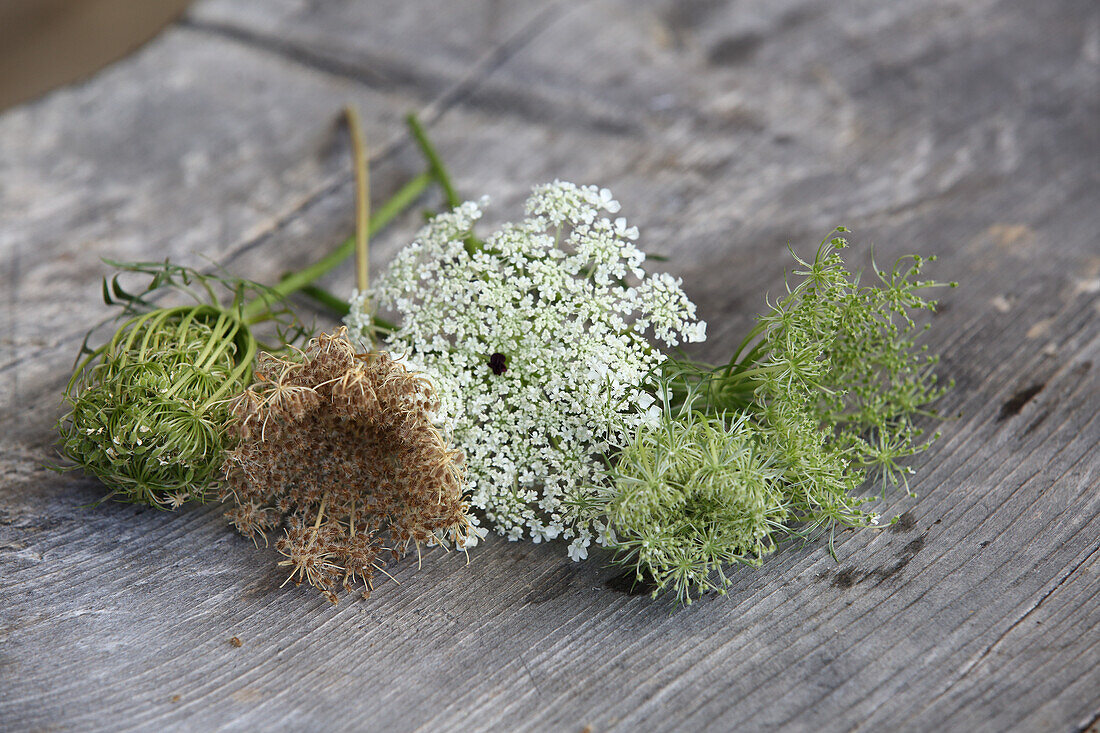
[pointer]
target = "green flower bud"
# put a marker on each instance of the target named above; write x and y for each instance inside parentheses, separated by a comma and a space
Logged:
(147, 411)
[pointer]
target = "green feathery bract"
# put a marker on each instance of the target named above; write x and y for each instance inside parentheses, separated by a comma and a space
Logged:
(822, 393)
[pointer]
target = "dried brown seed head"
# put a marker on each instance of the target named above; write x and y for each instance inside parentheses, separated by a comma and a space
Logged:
(340, 447)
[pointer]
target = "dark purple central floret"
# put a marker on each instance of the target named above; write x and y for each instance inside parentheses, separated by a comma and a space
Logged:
(497, 364)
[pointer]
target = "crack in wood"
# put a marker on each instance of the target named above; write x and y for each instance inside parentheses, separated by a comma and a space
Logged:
(530, 676)
(907, 521)
(629, 584)
(363, 70)
(1015, 403)
(393, 75)
(1090, 725)
(849, 577)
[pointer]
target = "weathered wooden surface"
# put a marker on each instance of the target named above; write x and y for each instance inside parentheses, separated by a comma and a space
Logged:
(964, 128)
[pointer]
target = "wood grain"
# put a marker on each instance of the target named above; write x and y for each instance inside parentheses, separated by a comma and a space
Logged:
(728, 130)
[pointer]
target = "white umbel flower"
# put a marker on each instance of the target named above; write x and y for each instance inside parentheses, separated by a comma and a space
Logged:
(538, 344)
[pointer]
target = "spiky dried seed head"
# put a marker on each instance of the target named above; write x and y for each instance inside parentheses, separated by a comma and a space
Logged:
(341, 448)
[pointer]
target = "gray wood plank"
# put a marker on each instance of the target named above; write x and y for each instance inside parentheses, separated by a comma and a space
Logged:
(727, 130)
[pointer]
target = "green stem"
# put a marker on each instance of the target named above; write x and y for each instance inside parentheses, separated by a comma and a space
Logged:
(339, 306)
(382, 324)
(733, 362)
(254, 311)
(334, 303)
(435, 163)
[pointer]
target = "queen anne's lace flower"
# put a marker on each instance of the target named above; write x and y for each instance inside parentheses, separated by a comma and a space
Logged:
(537, 344)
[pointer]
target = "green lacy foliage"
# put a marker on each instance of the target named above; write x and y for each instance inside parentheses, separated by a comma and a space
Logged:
(820, 395)
(849, 352)
(147, 411)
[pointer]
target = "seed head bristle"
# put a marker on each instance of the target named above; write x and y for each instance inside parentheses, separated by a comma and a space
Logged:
(340, 448)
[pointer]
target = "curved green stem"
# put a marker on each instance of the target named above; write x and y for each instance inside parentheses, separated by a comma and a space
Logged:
(439, 170)
(339, 306)
(756, 331)
(334, 303)
(435, 163)
(253, 312)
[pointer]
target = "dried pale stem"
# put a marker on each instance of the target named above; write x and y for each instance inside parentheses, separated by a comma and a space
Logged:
(362, 196)
(362, 210)
(382, 570)
(320, 513)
